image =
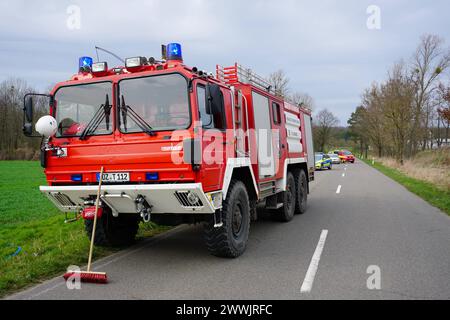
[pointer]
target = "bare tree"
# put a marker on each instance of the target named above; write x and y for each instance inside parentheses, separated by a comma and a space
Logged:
(443, 112)
(397, 106)
(280, 83)
(324, 123)
(304, 99)
(12, 140)
(429, 62)
(373, 119)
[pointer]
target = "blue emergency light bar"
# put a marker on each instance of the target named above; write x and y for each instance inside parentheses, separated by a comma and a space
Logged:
(174, 51)
(85, 64)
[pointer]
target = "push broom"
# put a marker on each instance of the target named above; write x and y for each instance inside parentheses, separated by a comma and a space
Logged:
(91, 276)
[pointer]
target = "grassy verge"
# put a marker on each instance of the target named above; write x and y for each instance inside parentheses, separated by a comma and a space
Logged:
(35, 243)
(429, 192)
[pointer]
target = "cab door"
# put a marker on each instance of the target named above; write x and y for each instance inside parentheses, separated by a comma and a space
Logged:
(213, 132)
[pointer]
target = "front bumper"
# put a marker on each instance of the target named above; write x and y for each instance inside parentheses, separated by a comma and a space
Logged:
(164, 198)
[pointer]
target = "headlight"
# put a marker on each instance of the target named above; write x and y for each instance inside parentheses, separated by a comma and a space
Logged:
(215, 199)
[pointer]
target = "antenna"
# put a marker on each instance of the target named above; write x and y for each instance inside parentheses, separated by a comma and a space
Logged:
(114, 55)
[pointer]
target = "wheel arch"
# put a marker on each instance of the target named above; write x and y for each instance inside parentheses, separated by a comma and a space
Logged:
(245, 175)
(240, 169)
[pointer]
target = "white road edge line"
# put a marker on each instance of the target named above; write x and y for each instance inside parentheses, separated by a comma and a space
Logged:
(314, 264)
(338, 189)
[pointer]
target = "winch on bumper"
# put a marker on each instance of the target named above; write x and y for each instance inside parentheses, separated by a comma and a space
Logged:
(162, 198)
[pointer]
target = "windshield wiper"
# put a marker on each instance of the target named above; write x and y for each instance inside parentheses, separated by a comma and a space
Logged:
(98, 118)
(141, 123)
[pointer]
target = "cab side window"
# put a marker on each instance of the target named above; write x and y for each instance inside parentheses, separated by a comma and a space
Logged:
(216, 121)
(219, 118)
(206, 119)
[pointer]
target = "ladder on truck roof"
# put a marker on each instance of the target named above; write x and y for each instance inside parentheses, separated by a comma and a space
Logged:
(239, 74)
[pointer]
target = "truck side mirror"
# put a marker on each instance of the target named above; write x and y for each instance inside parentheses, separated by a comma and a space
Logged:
(28, 116)
(29, 102)
(214, 99)
(28, 129)
(28, 108)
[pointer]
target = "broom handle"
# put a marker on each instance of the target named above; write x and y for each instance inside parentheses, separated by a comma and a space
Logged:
(91, 249)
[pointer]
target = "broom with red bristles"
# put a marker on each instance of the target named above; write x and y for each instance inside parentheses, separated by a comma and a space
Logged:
(91, 276)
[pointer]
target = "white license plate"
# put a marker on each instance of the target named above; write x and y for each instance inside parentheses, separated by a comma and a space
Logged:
(115, 177)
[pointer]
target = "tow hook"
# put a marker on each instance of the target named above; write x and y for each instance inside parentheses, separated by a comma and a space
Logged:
(143, 208)
(146, 216)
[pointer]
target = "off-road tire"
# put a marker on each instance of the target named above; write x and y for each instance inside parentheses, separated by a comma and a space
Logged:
(230, 240)
(301, 185)
(113, 232)
(289, 198)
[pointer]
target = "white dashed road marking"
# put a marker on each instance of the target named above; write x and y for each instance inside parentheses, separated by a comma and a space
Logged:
(314, 264)
(338, 189)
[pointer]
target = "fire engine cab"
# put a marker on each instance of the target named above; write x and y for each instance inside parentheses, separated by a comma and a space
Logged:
(178, 145)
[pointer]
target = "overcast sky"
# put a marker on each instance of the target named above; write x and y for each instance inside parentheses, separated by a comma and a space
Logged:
(325, 47)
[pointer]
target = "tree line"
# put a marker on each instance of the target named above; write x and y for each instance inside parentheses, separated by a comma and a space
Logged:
(13, 144)
(409, 111)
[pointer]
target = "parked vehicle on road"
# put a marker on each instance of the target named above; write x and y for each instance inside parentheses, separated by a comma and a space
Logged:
(334, 158)
(323, 161)
(179, 145)
(345, 156)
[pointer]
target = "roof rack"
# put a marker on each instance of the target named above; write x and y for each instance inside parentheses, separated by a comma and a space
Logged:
(239, 74)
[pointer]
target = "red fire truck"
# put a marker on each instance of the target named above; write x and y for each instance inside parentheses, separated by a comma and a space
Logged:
(178, 145)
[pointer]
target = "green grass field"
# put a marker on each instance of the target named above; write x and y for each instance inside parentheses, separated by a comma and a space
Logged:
(35, 243)
(432, 194)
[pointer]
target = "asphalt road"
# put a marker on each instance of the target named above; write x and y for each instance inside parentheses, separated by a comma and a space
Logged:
(372, 223)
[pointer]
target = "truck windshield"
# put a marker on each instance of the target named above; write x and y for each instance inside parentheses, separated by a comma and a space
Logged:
(77, 105)
(161, 101)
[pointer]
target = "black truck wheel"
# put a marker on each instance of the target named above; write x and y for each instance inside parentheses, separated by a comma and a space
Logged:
(301, 185)
(289, 199)
(113, 231)
(230, 240)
